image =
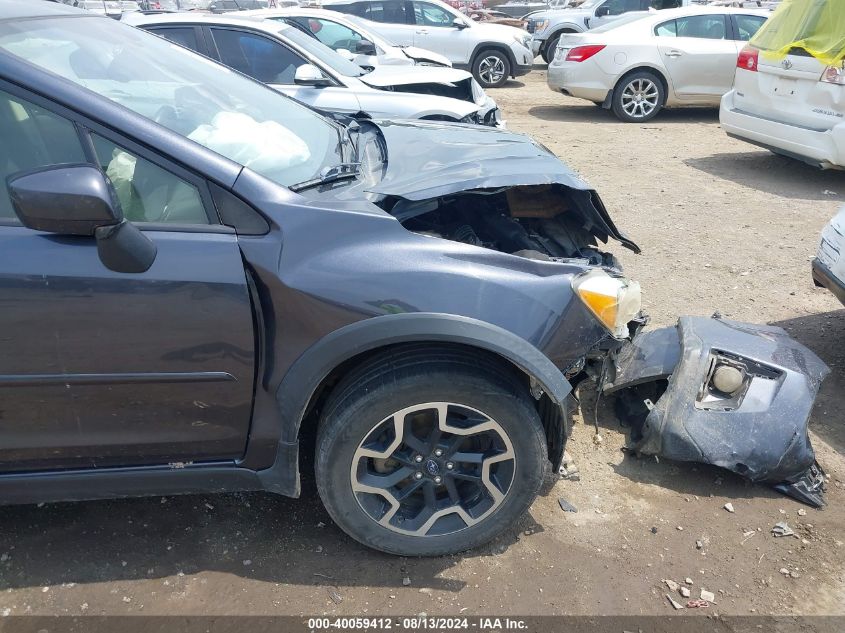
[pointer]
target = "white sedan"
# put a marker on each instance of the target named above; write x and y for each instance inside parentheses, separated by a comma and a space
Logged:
(647, 61)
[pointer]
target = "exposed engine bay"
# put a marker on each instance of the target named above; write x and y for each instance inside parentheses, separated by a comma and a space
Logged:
(536, 222)
(461, 90)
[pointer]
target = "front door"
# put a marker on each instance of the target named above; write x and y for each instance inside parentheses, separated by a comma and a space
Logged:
(99, 368)
(699, 56)
(436, 32)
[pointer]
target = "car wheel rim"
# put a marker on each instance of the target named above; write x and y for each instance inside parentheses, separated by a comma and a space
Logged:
(491, 69)
(433, 469)
(640, 98)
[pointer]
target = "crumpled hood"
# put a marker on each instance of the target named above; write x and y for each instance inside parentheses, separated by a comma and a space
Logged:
(384, 76)
(423, 55)
(428, 160)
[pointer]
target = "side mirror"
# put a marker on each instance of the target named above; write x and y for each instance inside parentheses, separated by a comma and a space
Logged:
(365, 47)
(345, 53)
(458, 23)
(310, 75)
(602, 11)
(79, 200)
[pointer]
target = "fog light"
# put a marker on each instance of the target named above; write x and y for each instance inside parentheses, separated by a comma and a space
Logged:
(727, 379)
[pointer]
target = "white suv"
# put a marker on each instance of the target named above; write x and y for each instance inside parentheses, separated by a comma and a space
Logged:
(492, 52)
(793, 104)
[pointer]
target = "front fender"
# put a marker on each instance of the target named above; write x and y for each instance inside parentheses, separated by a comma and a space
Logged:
(302, 380)
(314, 365)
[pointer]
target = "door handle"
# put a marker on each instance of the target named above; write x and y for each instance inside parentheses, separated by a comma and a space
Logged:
(674, 53)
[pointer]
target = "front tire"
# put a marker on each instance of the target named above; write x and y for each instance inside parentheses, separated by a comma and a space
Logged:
(429, 452)
(491, 68)
(638, 97)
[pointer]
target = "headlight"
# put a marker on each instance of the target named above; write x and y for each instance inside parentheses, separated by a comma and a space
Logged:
(523, 40)
(613, 300)
(541, 26)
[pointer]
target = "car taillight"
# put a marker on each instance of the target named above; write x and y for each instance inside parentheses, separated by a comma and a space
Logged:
(748, 58)
(581, 53)
(833, 75)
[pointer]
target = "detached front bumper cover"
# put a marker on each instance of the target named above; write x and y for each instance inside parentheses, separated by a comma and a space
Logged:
(722, 392)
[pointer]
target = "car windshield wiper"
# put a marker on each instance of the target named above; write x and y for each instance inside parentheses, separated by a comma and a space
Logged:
(341, 171)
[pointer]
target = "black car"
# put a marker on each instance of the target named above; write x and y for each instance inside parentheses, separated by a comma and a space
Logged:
(198, 274)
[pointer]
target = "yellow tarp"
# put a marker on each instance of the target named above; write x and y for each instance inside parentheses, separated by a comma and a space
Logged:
(817, 26)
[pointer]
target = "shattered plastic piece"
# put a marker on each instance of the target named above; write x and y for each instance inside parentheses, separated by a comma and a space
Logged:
(729, 507)
(566, 506)
(758, 431)
(688, 581)
(685, 592)
(671, 584)
(782, 529)
(708, 596)
(675, 604)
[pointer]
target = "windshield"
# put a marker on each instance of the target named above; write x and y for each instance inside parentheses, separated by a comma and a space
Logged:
(322, 53)
(817, 26)
(185, 92)
(589, 4)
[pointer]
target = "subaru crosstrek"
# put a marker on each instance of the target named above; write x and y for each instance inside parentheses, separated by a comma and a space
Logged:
(197, 273)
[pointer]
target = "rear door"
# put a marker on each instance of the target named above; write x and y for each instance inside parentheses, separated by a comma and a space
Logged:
(395, 19)
(273, 63)
(699, 55)
(99, 368)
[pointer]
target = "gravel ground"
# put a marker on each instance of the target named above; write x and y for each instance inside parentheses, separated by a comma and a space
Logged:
(723, 226)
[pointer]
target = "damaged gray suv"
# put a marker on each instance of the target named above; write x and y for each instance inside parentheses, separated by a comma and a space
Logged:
(202, 280)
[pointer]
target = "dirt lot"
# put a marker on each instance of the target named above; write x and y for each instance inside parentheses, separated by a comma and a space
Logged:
(723, 226)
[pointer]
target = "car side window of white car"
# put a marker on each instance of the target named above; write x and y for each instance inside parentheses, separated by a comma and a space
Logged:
(332, 34)
(709, 27)
(257, 56)
(427, 14)
(384, 12)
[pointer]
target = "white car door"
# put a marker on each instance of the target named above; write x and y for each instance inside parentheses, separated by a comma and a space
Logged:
(698, 56)
(435, 31)
(270, 62)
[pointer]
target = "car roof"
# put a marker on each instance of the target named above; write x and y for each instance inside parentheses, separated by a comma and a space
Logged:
(192, 17)
(294, 11)
(18, 9)
(694, 9)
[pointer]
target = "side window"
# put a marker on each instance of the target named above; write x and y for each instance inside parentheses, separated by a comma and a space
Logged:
(183, 36)
(427, 14)
(667, 29)
(386, 12)
(332, 34)
(32, 138)
(709, 27)
(148, 193)
(618, 7)
(257, 56)
(747, 25)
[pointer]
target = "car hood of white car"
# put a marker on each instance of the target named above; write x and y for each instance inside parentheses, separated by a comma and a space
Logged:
(385, 76)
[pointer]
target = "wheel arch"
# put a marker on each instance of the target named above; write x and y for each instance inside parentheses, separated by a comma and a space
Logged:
(313, 374)
(561, 30)
(649, 68)
(498, 46)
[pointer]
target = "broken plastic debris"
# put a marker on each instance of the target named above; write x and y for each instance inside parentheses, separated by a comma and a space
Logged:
(671, 584)
(675, 604)
(782, 529)
(566, 506)
(729, 507)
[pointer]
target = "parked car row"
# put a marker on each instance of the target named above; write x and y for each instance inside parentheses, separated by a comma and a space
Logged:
(237, 272)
